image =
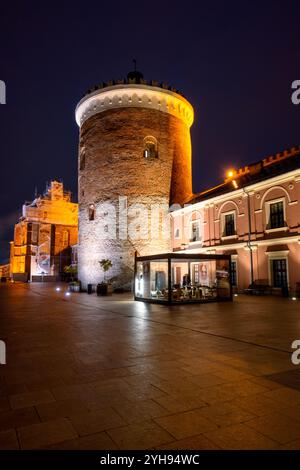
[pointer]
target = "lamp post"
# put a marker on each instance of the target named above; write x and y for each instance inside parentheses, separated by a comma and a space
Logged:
(230, 176)
(249, 235)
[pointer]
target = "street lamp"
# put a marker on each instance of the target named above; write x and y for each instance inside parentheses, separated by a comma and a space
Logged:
(230, 175)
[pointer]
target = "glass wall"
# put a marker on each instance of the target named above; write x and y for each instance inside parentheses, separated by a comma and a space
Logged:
(151, 280)
(180, 278)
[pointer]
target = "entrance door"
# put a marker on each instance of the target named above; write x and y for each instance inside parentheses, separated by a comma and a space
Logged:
(279, 271)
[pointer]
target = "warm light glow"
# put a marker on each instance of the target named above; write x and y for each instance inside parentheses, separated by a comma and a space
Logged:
(235, 185)
(294, 298)
(68, 294)
(230, 173)
(57, 289)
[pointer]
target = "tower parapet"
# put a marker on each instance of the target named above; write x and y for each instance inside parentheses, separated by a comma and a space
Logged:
(134, 96)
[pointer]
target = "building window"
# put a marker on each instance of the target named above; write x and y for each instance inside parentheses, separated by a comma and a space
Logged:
(91, 212)
(276, 215)
(279, 272)
(177, 233)
(229, 225)
(150, 147)
(234, 273)
(195, 231)
(34, 237)
(65, 238)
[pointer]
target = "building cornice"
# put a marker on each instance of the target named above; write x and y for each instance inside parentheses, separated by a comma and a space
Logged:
(134, 96)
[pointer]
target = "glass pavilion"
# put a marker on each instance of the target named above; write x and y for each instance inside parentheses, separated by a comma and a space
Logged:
(176, 278)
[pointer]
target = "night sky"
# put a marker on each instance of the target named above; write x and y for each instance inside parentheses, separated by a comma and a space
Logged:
(234, 61)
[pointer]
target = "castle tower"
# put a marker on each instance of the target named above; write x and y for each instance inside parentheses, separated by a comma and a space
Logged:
(134, 156)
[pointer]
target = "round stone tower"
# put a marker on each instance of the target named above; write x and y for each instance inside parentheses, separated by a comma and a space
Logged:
(134, 161)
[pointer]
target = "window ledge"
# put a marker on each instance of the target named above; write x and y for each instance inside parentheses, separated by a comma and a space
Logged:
(195, 243)
(229, 237)
(279, 229)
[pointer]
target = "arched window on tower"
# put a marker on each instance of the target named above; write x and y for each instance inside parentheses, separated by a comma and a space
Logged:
(150, 147)
(91, 212)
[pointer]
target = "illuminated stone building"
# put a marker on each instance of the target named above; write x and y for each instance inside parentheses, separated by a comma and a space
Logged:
(134, 158)
(5, 271)
(44, 235)
(254, 215)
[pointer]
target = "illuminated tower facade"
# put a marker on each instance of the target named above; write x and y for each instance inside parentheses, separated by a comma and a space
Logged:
(134, 161)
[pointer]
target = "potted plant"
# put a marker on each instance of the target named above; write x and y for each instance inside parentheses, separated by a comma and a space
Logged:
(105, 287)
(71, 276)
(71, 272)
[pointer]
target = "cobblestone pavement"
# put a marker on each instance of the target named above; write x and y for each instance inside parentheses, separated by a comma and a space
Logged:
(85, 372)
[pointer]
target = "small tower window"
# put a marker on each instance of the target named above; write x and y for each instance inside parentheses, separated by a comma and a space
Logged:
(82, 161)
(150, 147)
(177, 233)
(91, 212)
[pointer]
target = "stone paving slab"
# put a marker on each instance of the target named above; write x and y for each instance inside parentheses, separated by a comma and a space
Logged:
(277, 426)
(187, 424)
(240, 437)
(146, 435)
(43, 434)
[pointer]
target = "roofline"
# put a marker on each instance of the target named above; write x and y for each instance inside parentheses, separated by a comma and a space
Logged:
(253, 170)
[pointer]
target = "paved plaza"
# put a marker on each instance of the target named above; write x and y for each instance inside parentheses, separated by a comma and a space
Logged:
(88, 372)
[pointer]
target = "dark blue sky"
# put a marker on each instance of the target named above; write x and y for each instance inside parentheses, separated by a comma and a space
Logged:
(233, 60)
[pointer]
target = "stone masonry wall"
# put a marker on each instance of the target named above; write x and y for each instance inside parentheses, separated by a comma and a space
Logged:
(112, 165)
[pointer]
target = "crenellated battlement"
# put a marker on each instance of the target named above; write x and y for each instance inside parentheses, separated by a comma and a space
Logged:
(266, 162)
(132, 81)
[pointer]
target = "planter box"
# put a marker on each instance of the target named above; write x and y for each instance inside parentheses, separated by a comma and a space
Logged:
(104, 289)
(74, 288)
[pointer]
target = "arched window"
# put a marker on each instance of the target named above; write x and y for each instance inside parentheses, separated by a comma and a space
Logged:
(150, 147)
(91, 212)
(228, 224)
(275, 213)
